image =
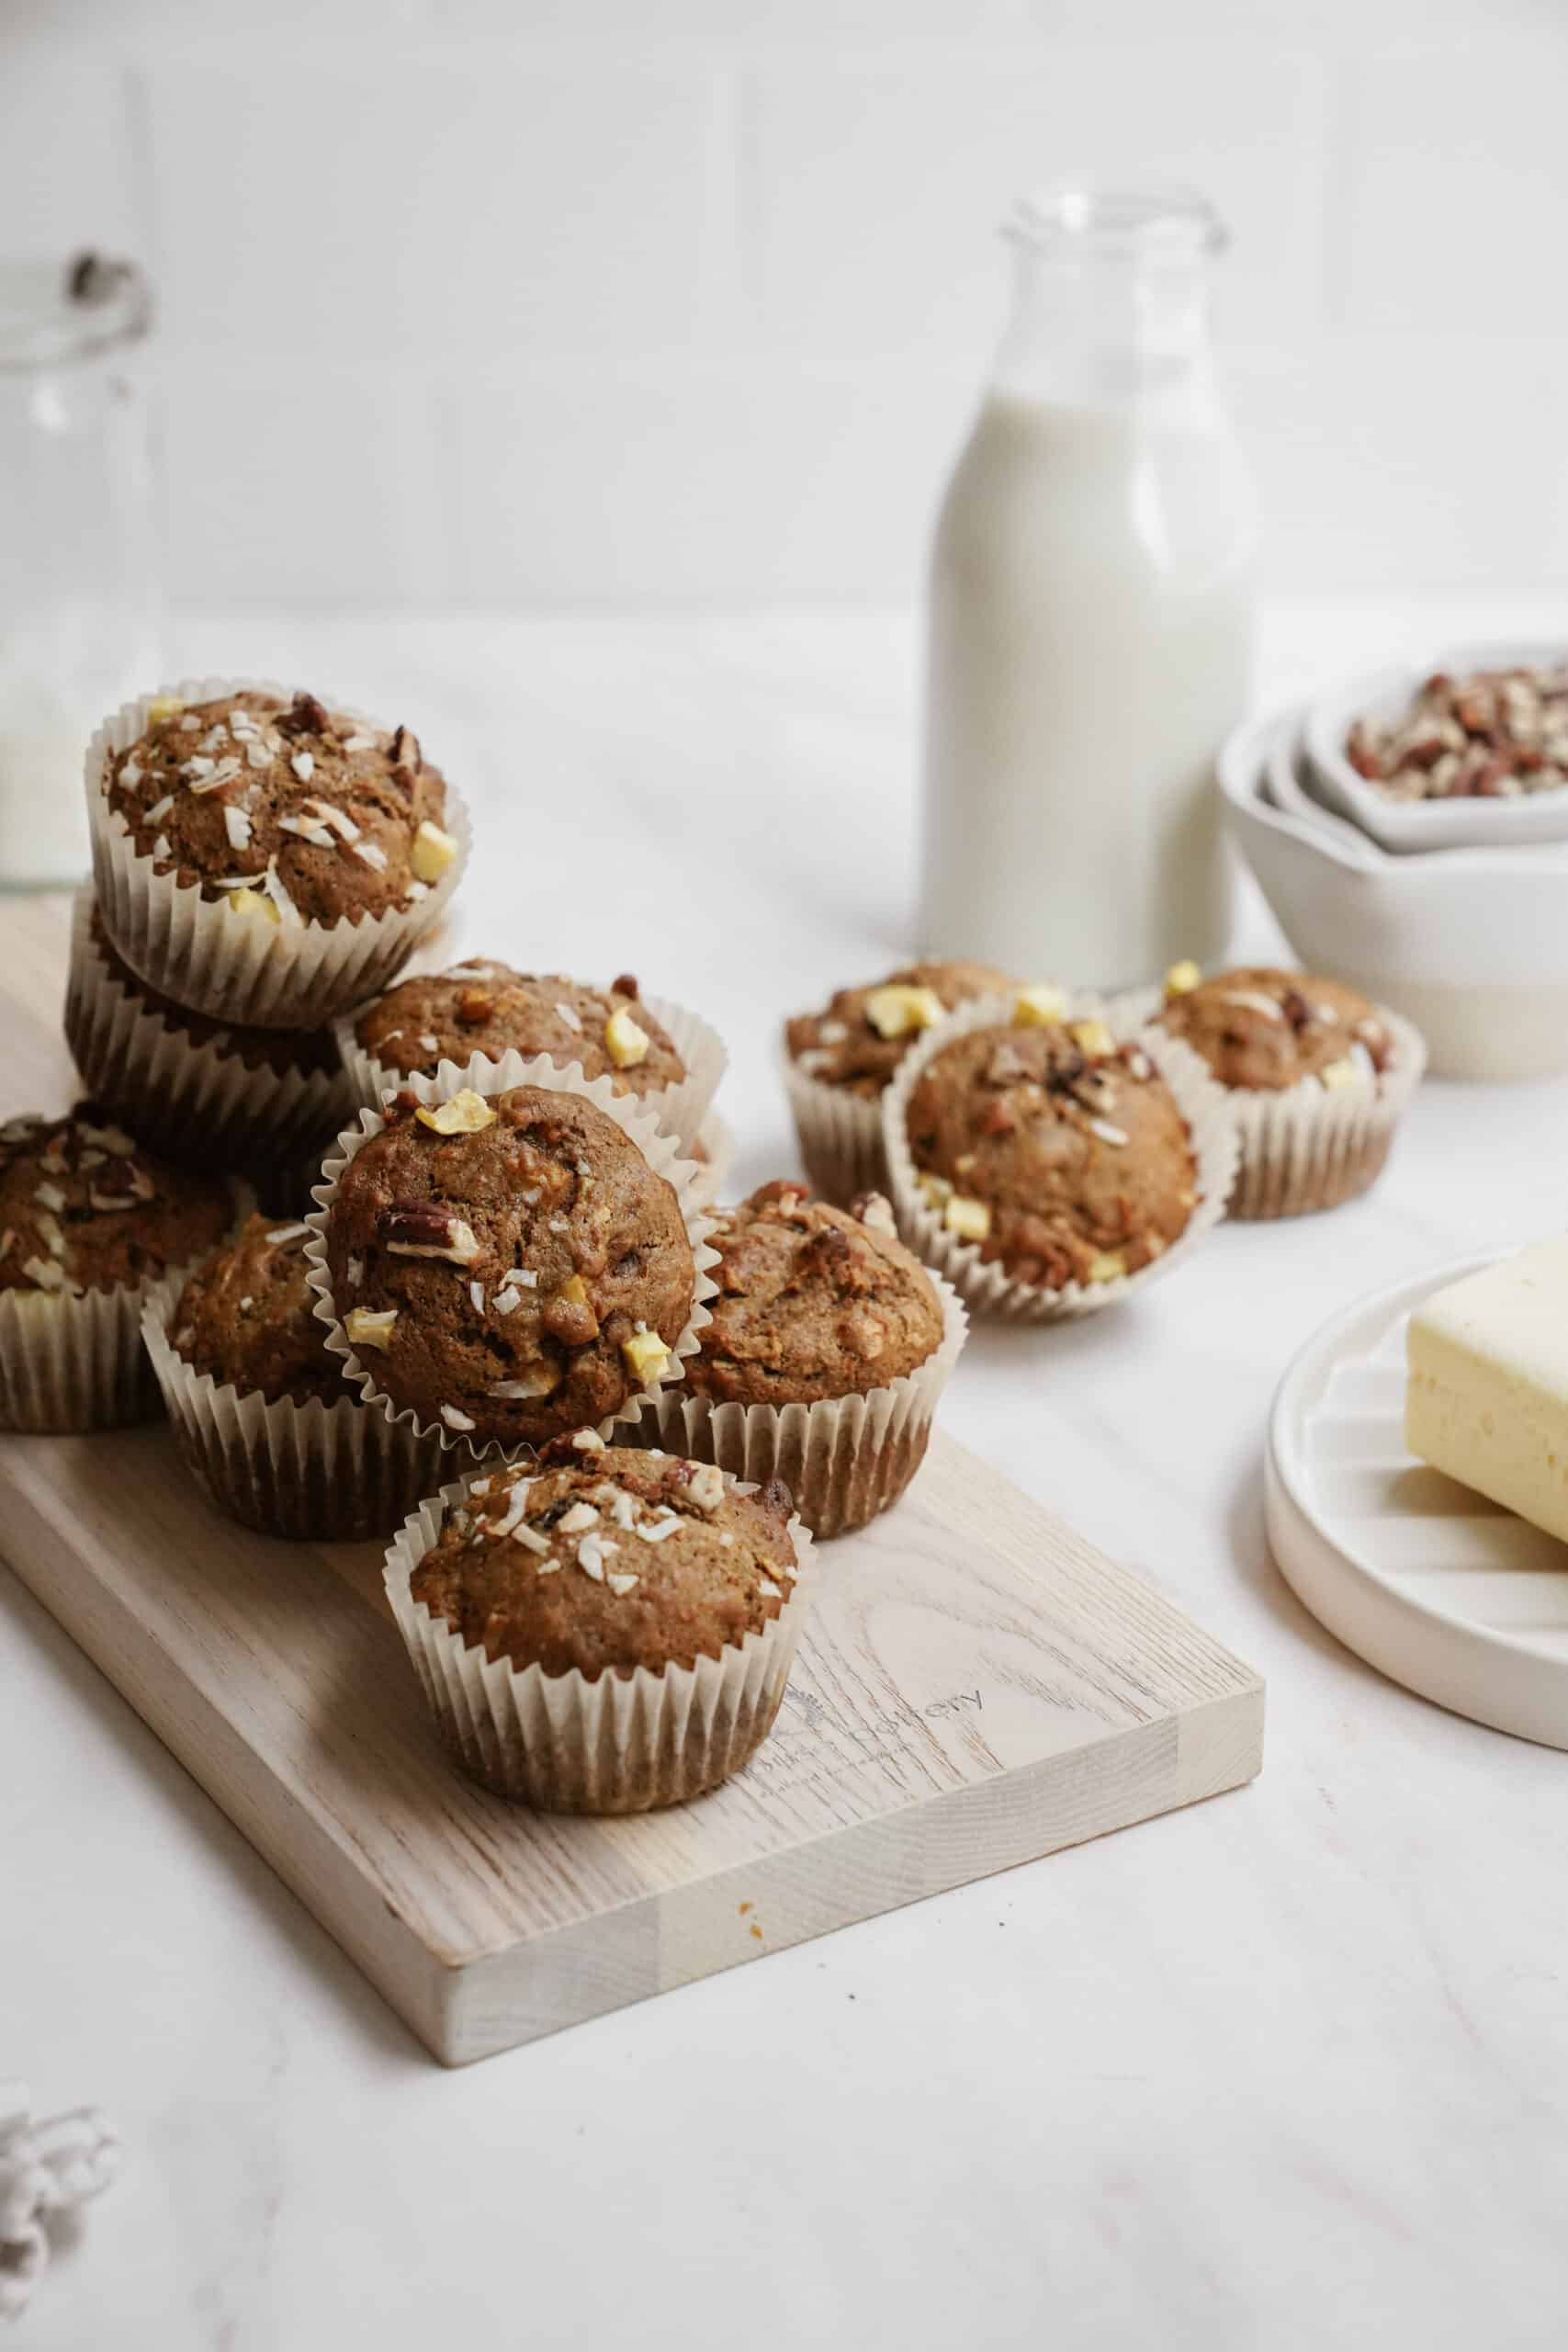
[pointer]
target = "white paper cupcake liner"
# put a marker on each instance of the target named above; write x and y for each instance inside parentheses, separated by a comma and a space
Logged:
(184, 1096)
(844, 1459)
(72, 1365)
(660, 1150)
(988, 1287)
(312, 1473)
(840, 1135)
(717, 1141)
(620, 1743)
(1312, 1146)
(255, 975)
(680, 1109)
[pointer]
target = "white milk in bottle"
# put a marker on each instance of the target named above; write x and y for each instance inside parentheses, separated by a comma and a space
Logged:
(1090, 614)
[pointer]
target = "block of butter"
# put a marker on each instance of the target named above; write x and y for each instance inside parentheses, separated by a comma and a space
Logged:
(1487, 1395)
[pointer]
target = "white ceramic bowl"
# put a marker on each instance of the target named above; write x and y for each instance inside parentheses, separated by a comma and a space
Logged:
(1405, 825)
(1471, 946)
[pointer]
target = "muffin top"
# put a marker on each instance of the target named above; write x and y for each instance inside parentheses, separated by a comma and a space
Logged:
(483, 1008)
(813, 1302)
(281, 1050)
(861, 1035)
(1261, 1029)
(324, 818)
(245, 1316)
(1062, 1155)
(609, 1558)
(83, 1206)
(510, 1268)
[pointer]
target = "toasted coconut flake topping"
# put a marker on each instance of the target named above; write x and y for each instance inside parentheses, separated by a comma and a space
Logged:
(454, 1419)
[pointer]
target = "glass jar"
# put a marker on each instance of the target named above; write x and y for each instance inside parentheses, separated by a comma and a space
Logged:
(1090, 611)
(79, 608)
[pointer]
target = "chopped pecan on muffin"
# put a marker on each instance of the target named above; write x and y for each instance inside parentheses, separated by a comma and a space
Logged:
(814, 1302)
(861, 1035)
(487, 1008)
(286, 808)
(246, 1317)
(1061, 1155)
(84, 1207)
(605, 1559)
(1259, 1028)
(511, 1267)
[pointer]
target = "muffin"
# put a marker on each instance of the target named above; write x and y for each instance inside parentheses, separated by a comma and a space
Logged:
(1046, 1161)
(838, 1062)
(263, 859)
(1317, 1075)
(505, 1269)
(828, 1349)
(603, 1632)
(89, 1221)
(479, 1012)
(247, 1099)
(260, 1406)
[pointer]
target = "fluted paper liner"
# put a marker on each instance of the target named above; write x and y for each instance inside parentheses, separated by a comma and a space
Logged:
(256, 974)
(840, 1135)
(988, 1287)
(315, 1471)
(717, 1141)
(844, 1459)
(186, 1095)
(1312, 1146)
(74, 1364)
(620, 1743)
(660, 1150)
(680, 1108)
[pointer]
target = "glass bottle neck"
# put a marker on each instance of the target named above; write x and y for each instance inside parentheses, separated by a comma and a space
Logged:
(1107, 330)
(1110, 298)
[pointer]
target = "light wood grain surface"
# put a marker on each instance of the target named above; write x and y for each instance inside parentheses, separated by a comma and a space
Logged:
(977, 1687)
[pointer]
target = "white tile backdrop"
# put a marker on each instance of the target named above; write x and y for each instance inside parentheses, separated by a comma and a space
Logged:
(683, 302)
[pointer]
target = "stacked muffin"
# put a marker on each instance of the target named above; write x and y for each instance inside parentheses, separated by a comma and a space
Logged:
(255, 855)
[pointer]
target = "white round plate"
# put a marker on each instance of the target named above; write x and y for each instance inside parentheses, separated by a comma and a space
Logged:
(1430, 1582)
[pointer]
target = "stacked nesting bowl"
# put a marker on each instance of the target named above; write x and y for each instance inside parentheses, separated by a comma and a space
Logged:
(1454, 911)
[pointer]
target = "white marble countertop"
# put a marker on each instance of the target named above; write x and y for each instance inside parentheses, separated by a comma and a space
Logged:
(1290, 2069)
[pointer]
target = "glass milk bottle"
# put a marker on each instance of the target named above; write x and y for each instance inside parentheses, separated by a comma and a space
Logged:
(1090, 611)
(79, 609)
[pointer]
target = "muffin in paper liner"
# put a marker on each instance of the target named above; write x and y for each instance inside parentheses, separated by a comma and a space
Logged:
(71, 1364)
(315, 1471)
(660, 1150)
(680, 1109)
(844, 1459)
(186, 1097)
(716, 1142)
(255, 974)
(987, 1288)
(619, 1743)
(840, 1135)
(1312, 1146)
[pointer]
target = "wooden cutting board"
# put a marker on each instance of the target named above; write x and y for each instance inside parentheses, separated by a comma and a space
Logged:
(977, 1687)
